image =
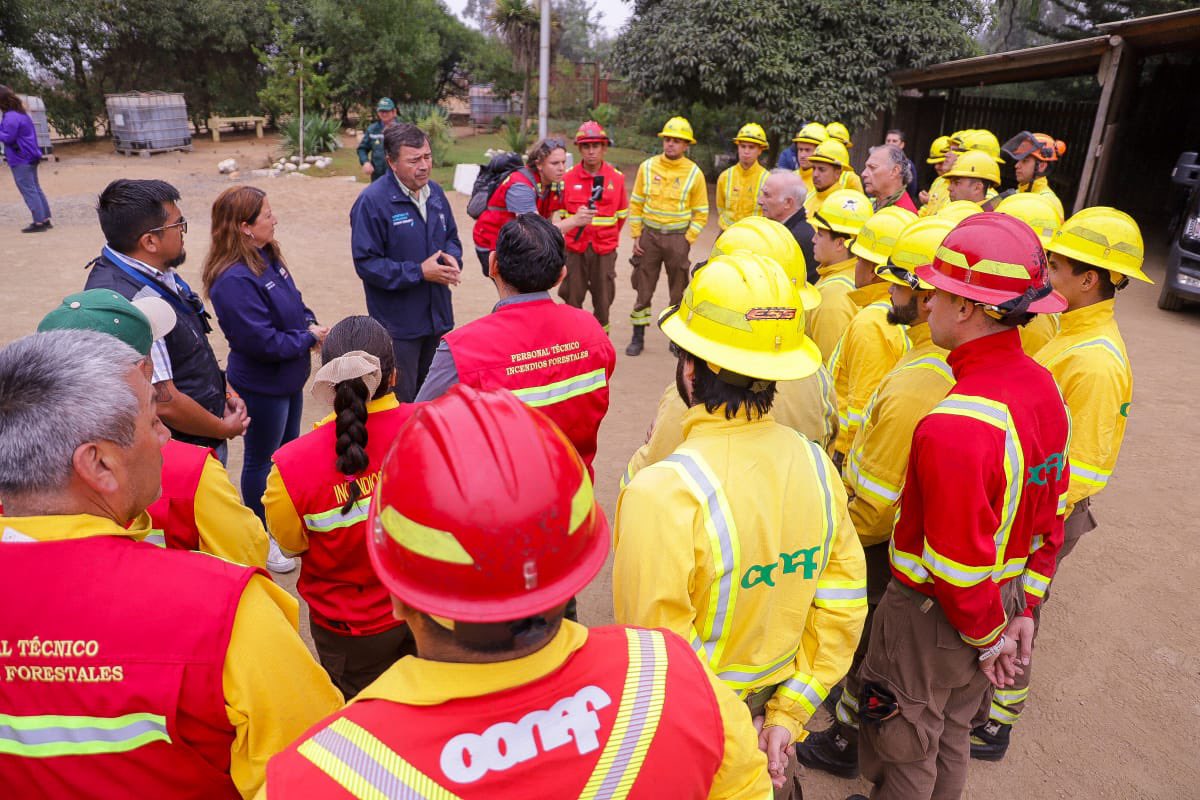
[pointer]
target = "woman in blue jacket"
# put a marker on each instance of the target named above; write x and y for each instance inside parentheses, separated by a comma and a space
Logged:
(23, 154)
(270, 331)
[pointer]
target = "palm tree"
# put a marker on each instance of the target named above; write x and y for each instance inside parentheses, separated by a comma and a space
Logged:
(518, 23)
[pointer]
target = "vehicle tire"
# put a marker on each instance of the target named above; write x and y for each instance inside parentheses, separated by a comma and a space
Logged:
(1169, 300)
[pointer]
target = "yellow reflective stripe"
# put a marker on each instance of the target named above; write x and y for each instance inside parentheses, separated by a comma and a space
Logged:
(836, 279)
(334, 518)
(987, 639)
(724, 546)
(627, 476)
(1062, 504)
(805, 690)
(746, 678)
(1091, 475)
(423, 540)
(666, 228)
(1105, 344)
(1011, 696)
(828, 403)
(954, 572)
(989, 266)
(687, 189)
(1001, 714)
(366, 767)
(49, 735)
(1035, 583)
(866, 483)
(637, 719)
(908, 564)
(841, 594)
(561, 391)
(934, 363)
(825, 479)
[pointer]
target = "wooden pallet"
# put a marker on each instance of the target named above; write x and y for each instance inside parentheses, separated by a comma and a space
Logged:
(149, 151)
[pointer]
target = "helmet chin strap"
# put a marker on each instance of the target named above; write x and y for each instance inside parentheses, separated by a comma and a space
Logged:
(1017, 305)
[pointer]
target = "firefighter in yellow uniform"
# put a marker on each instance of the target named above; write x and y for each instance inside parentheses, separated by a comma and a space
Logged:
(983, 141)
(871, 346)
(738, 186)
(807, 406)
(1038, 213)
(831, 171)
(938, 194)
(835, 225)
(667, 211)
(1092, 256)
(878, 461)
(739, 540)
(840, 132)
(806, 141)
(1035, 155)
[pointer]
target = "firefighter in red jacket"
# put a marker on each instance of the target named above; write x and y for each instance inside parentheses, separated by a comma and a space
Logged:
(128, 670)
(594, 184)
(316, 505)
(553, 357)
(980, 519)
(483, 524)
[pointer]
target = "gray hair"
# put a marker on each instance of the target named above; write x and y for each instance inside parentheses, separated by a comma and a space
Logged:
(896, 156)
(794, 189)
(59, 390)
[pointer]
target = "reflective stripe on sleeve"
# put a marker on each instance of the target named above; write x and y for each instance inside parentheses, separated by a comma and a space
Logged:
(47, 735)
(745, 678)
(805, 690)
(156, 537)
(334, 518)
(561, 391)
(841, 594)
(1091, 475)
(1035, 583)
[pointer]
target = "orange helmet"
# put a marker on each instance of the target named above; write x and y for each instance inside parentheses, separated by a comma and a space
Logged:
(591, 131)
(996, 260)
(1042, 146)
(484, 512)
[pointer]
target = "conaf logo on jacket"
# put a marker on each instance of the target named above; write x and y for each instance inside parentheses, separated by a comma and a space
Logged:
(756, 314)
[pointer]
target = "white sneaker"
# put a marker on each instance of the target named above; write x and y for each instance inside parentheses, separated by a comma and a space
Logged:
(277, 561)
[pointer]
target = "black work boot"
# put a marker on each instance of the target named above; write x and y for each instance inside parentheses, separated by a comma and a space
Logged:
(638, 343)
(989, 742)
(833, 750)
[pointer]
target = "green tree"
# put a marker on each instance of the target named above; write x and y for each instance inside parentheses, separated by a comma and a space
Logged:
(795, 60)
(1021, 23)
(290, 66)
(518, 24)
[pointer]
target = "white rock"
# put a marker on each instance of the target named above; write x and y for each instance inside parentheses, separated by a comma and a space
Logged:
(227, 166)
(290, 167)
(305, 166)
(295, 159)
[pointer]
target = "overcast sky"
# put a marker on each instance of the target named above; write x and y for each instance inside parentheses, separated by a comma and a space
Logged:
(615, 12)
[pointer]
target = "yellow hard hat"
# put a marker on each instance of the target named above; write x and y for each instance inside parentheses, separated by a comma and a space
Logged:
(937, 150)
(879, 234)
(844, 212)
(813, 133)
(678, 128)
(837, 130)
(916, 247)
(982, 140)
(1035, 211)
(1103, 237)
(974, 164)
(752, 133)
(831, 151)
(958, 210)
(769, 238)
(741, 313)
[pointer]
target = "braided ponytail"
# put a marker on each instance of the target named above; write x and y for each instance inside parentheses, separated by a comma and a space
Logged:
(350, 408)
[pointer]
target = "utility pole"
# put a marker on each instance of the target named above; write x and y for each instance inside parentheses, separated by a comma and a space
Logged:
(302, 102)
(544, 73)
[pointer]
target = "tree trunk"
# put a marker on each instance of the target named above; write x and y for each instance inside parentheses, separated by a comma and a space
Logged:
(525, 100)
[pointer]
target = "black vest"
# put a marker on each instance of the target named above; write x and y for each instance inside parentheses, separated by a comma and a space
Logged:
(193, 364)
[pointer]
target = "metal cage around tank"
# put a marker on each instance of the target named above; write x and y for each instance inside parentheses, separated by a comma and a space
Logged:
(148, 122)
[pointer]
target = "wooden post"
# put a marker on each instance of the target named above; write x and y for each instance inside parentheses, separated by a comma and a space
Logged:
(1110, 65)
(214, 125)
(258, 127)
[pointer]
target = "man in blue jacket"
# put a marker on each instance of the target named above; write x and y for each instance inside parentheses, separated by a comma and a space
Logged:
(406, 251)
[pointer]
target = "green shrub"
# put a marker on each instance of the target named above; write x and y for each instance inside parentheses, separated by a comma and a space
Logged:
(321, 135)
(515, 139)
(416, 113)
(606, 114)
(441, 136)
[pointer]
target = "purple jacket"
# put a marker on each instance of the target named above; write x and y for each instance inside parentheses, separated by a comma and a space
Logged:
(19, 138)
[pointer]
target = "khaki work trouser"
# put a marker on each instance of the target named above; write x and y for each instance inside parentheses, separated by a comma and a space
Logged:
(1005, 705)
(658, 249)
(916, 653)
(591, 272)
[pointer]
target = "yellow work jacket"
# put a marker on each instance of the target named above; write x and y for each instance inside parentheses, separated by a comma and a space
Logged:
(847, 180)
(740, 542)
(668, 196)
(867, 351)
(1038, 333)
(1042, 186)
(273, 688)
(828, 321)
(877, 463)
(1090, 365)
(737, 193)
(939, 196)
(807, 406)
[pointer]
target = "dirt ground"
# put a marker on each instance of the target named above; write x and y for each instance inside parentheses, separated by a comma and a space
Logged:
(1115, 711)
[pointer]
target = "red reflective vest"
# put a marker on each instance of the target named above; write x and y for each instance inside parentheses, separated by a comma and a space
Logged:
(488, 226)
(611, 209)
(630, 706)
(342, 590)
(553, 357)
(124, 686)
(174, 512)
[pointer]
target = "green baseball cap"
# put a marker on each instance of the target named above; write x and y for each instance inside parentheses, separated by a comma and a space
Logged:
(138, 323)
(385, 104)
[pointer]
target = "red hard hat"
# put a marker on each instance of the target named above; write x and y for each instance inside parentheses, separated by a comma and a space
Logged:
(997, 260)
(591, 131)
(484, 512)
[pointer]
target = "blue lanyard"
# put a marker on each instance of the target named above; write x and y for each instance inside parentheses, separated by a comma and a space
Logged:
(186, 301)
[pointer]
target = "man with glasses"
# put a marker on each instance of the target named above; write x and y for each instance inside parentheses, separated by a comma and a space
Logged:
(144, 229)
